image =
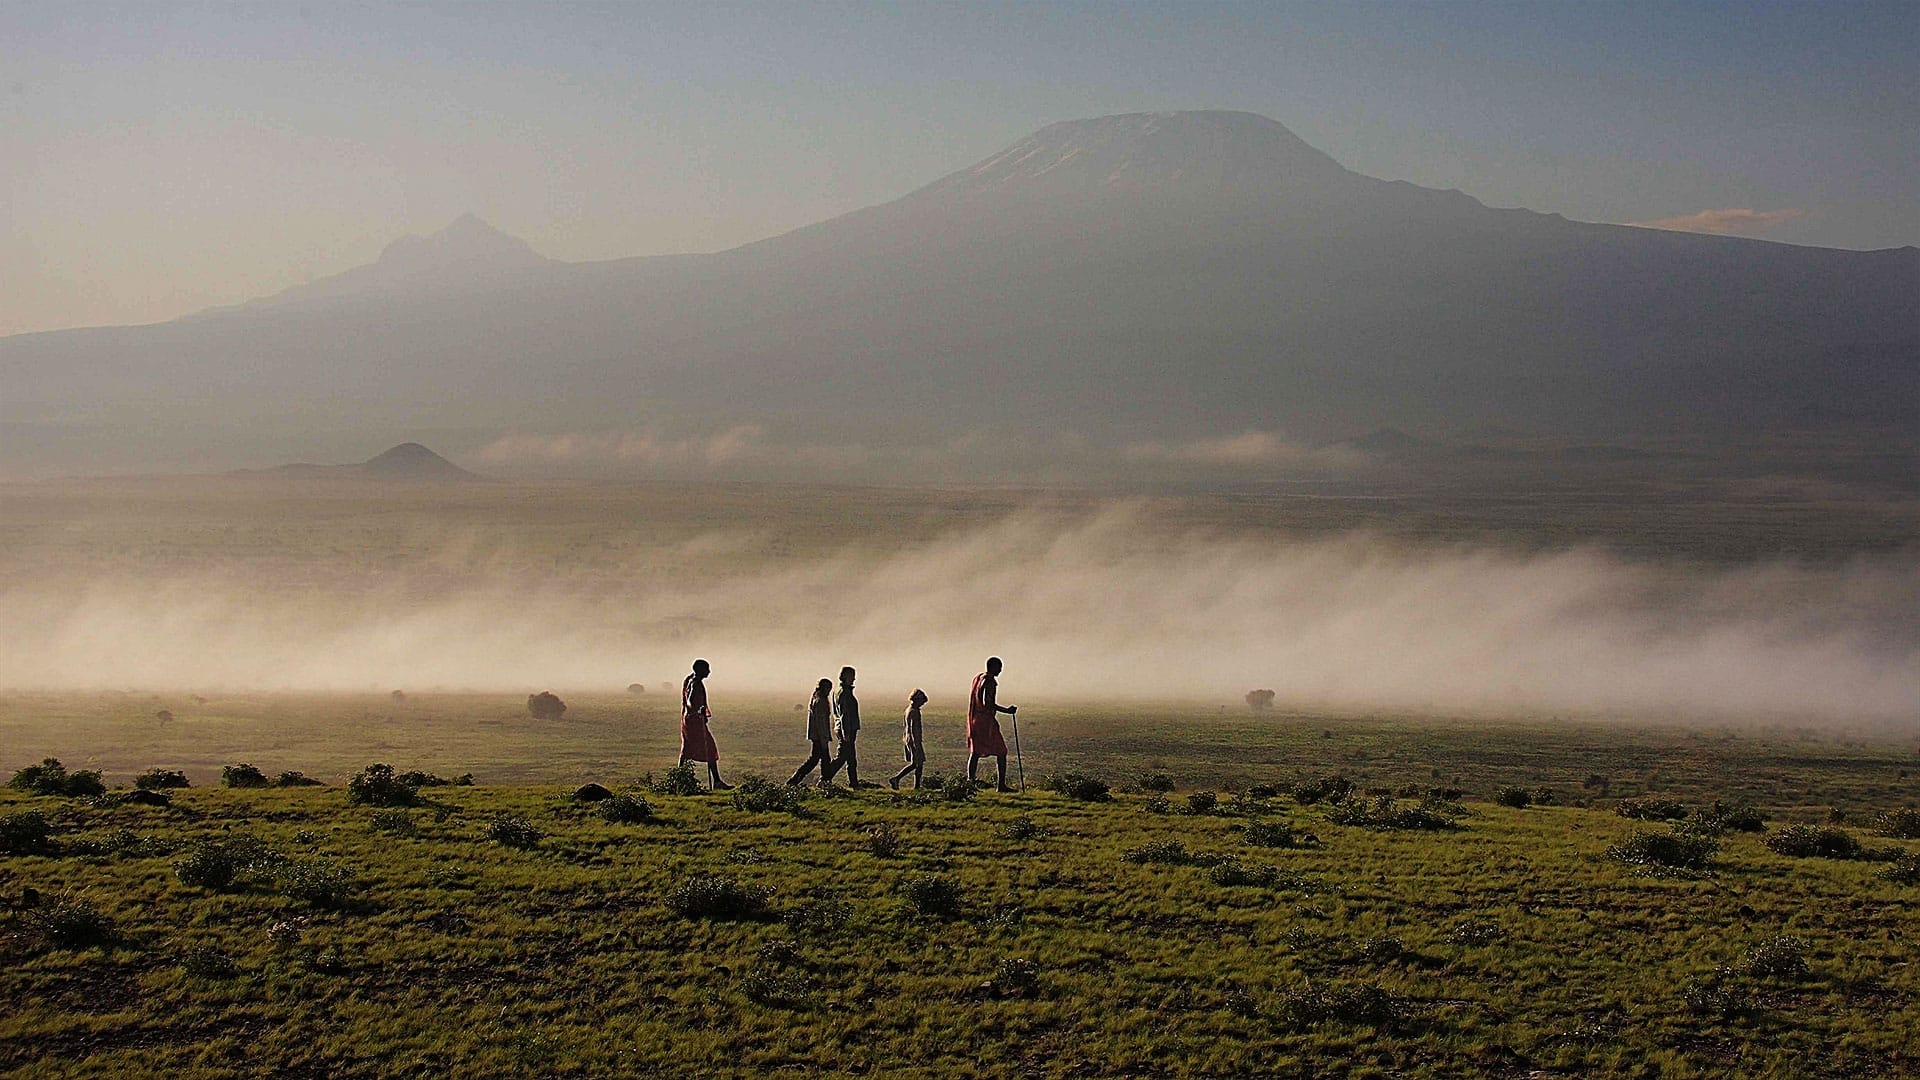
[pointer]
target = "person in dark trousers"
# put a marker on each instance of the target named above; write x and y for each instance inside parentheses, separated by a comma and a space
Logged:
(846, 721)
(911, 744)
(983, 722)
(820, 734)
(696, 738)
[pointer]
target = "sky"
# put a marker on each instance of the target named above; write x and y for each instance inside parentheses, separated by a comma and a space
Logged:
(159, 159)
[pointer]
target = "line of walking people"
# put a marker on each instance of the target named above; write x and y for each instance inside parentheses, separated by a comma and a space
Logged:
(834, 714)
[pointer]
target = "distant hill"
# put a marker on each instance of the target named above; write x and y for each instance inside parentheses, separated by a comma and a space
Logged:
(409, 462)
(1152, 279)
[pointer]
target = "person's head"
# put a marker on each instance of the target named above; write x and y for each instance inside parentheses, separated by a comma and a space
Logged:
(702, 668)
(919, 698)
(846, 676)
(993, 665)
(821, 690)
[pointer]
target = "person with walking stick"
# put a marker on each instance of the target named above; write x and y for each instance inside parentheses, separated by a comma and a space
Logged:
(983, 723)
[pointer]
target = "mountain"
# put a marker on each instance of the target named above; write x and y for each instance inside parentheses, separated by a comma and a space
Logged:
(1123, 282)
(407, 463)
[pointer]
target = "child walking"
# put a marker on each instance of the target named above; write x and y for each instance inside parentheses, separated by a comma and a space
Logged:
(910, 743)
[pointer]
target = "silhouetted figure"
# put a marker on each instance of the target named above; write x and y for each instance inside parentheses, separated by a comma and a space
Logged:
(820, 734)
(696, 741)
(910, 743)
(846, 723)
(983, 722)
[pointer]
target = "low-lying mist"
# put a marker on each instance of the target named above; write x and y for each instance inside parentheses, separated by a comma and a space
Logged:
(1118, 604)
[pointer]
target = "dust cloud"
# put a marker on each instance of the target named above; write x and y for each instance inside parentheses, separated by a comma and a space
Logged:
(1109, 605)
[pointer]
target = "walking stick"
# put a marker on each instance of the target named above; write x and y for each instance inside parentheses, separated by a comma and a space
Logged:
(1015, 717)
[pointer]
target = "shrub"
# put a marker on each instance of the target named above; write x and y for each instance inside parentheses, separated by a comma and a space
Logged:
(819, 917)
(285, 933)
(958, 790)
(1159, 782)
(1326, 789)
(1812, 841)
(71, 922)
(1597, 782)
(209, 865)
(786, 987)
(546, 705)
(394, 823)
(1202, 802)
(242, 776)
(160, 779)
(678, 780)
(1903, 824)
(208, 962)
(626, 809)
(1476, 932)
(883, 840)
(1022, 828)
(376, 785)
(1158, 805)
(1385, 813)
(1354, 1003)
(1904, 871)
(931, 896)
(1232, 871)
(1166, 852)
(1260, 700)
(319, 882)
(295, 778)
(25, 833)
(636, 688)
(1783, 957)
(418, 779)
(514, 831)
(1273, 834)
(1240, 1003)
(1667, 849)
(1384, 949)
(1517, 797)
(1080, 786)
(710, 896)
(124, 842)
(1016, 977)
(1650, 809)
(52, 778)
(758, 794)
(1723, 993)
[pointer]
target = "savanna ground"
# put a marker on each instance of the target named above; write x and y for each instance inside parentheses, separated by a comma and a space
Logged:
(506, 929)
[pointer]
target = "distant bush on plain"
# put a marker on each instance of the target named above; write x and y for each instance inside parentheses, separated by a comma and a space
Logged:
(1518, 798)
(1671, 849)
(379, 785)
(757, 794)
(1080, 786)
(1260, 700)
(712, 896)
(514, 831)
(1159, 782)
(1326, 789)
(242, 776)
(1651, 809)
(296, 778)
(679, 780)
(1901, 824)
(1313, 1005)
(1202, 802)
(71, 922)
(1904, 871)
(160, 779)
(546, 705)
(625, 809)
(52, 778)
(26, 832)
(1384, 812)
(1815, 842)
(931, 895)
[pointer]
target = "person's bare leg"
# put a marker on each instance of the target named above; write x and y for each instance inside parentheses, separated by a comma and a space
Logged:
(973, 766)
(1001, 763)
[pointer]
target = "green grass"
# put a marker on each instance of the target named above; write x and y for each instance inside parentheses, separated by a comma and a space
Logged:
(458, 954)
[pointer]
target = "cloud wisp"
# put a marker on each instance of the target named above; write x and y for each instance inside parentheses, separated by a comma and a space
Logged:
(1726, 221)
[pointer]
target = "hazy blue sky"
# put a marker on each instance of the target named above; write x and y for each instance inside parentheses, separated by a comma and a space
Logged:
(159, 159)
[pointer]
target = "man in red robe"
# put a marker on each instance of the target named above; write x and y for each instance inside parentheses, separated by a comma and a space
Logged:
(696, 740)
(983, 722)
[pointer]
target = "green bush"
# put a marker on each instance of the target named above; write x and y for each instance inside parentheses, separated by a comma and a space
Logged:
(1650, 809)
(1517, 797)
(1902, 824)
(319, 882)
(710, 896)
(1274, 834)
(1158, 805)
(209, 865)
(883, 840)
(1783, 957)
(1475, 932)
(208, 962)
(1022, 828)
(1677, 850)
(242, 776)
(1387, 814)
(1164, 852)
(1813, 841)
(1156, 782)
(1722, 994)
(1904, 871)
(394, 823)
(71, 922)
(514, 831)
(821, 918)
(1353, 1003)
(295, 778)
(931, 895)
(1232, 871)
(679, 780)
(757, 794)
(625, 809)
(1017, 977)
(26, 832)
(1738, 818)
(1202, 802)
(1080, 786)
(1326, 789)
(52, 778)
(377, 785)
(160, 779)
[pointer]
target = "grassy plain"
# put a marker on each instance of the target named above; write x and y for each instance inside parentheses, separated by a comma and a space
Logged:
(1512, 945)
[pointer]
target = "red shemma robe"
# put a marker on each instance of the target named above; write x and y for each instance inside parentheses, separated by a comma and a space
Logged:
(983, 721)
(696, 742)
